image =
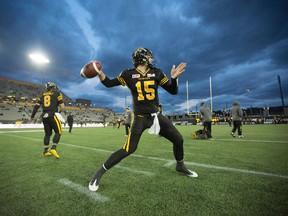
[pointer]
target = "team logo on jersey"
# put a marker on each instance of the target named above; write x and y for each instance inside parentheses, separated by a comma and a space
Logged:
(150, 75)
(135, 76)
(46, 115)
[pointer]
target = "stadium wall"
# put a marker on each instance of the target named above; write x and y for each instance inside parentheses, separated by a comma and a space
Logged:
(17, 126)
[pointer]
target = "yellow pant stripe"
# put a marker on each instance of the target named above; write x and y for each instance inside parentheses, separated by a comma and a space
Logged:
(127, 143)
(59, 124)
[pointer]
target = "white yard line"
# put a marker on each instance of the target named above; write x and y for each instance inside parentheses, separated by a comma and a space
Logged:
(229, 169)
(20, 131)
(237, 170)
(245, 139)
(84, 190)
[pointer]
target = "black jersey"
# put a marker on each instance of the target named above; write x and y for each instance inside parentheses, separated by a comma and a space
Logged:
(49, 101)
(144, 87)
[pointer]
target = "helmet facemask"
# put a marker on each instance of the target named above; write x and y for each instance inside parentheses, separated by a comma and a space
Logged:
(142, 56)
(51, 86)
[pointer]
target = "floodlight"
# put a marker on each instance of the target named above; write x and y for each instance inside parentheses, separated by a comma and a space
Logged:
(39, 58)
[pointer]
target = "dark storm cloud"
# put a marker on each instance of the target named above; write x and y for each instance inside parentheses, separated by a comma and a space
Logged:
(239, 44)
(44, 27)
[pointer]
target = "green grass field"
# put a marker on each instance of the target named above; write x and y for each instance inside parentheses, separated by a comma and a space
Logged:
(236, 176)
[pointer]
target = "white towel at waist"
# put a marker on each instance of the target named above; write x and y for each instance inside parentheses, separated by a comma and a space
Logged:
(155, 127)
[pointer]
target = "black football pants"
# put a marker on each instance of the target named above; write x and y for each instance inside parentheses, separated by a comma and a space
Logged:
(237, 125)
(139, 124)
(208, 128)
(52, 124)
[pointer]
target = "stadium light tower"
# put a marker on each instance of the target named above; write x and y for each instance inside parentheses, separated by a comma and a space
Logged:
(39, 59)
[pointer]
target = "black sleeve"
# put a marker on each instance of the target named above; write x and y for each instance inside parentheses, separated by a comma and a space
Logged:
(172, 86)
(35, 109)
(110, 83)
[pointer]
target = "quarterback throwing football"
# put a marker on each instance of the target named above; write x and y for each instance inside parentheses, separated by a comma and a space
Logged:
(143, 81)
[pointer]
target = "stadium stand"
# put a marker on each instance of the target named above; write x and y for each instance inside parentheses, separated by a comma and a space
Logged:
(17, 99)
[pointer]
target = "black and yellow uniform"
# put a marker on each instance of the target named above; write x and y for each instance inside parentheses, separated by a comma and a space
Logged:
(144, 89)
(49, 101)
(143, 82)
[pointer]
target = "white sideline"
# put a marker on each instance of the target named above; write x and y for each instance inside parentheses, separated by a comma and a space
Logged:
(84, 190)
(169, 161)
(22, 131)
(244, 139)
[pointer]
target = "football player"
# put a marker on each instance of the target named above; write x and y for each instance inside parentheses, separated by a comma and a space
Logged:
(143, 81)
(50, 101)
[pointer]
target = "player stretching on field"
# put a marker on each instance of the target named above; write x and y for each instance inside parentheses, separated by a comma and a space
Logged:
(143, 82)
(50, 100)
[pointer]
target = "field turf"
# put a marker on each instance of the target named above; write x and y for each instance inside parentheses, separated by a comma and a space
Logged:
(236, 176)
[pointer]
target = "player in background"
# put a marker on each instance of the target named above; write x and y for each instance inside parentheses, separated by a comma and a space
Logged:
(128, 117)
(70, 121)
(119, 120)
(237, 114)
(206, 115)
(50, 101)
(160, 108)
(143, 81)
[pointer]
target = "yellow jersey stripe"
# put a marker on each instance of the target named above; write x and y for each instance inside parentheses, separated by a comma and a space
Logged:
(143, 73)
(163, 81)
(122, 81)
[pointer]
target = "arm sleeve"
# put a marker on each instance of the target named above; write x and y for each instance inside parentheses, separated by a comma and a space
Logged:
(35, 109)
(171, 86)
(110, 83)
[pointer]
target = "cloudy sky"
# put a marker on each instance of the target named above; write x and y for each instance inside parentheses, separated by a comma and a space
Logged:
(241, 44)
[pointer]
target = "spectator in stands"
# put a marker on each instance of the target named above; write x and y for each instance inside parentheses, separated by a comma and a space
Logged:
(50, 100)
(237, 114)
(70, 122)
(206, 115)
(143, 82)
(128, 117)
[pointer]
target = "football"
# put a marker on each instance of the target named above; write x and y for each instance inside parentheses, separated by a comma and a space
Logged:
(91, 69)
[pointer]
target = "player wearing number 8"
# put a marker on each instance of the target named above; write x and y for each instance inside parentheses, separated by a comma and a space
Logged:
(143, 81)
(50, 101)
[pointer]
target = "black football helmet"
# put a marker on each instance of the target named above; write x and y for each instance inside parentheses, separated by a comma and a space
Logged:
(51, 86)
(141, 56)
